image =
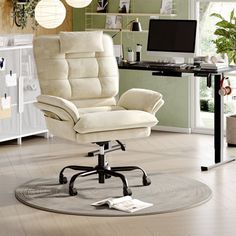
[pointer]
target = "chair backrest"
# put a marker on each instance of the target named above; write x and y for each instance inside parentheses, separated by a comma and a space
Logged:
(78, 66)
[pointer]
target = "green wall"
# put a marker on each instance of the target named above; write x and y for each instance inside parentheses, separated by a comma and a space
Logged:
(175, 111)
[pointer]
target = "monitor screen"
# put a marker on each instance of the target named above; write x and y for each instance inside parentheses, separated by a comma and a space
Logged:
(174, 36)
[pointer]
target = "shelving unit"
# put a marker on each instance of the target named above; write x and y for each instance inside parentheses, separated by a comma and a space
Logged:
(128, 14)
(122, 36)
(25, 120)
(96, 20)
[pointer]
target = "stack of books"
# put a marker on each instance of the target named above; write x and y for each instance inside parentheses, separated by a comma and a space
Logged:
(214, 66)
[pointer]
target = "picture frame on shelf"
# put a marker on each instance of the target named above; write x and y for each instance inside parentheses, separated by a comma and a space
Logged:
(113, 22)
(124, 6)
(166, 7)
(102, 6)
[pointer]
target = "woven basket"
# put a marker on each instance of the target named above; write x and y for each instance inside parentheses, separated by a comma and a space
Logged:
(231, 130)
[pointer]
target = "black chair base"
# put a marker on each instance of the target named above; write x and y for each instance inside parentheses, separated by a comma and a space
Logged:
(104, 171)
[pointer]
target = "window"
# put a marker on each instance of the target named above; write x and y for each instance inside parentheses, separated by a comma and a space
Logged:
(204, 104)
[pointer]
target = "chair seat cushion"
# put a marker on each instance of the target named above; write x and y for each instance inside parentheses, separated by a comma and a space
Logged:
(99, 109)
(114, 120)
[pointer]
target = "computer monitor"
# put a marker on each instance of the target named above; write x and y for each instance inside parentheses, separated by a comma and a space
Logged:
(171, 38)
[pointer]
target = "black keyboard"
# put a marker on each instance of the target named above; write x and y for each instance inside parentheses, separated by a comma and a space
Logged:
(153, 64)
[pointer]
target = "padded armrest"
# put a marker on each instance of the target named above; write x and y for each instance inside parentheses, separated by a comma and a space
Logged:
(57, 105)
(141, 99)
(54, 112)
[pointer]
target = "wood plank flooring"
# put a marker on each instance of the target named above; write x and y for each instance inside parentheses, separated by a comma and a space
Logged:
(181, 154)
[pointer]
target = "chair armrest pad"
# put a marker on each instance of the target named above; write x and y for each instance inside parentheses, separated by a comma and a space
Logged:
(141, 99)
(54, 112)
(61, 103)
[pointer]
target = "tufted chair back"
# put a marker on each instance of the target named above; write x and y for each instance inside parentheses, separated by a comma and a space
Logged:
(79, 67)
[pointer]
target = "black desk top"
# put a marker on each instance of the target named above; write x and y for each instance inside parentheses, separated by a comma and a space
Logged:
(174, 69)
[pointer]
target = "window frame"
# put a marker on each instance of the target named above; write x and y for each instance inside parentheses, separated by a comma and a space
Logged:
(194, 85)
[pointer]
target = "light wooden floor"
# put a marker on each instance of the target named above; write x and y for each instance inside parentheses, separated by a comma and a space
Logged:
(180, 154)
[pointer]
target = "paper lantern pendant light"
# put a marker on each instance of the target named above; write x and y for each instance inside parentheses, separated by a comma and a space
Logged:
(50, 13)
(78, 3)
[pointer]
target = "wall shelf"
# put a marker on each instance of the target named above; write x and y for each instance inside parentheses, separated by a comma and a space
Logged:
(97, 20)
(116, 30)
(128, 14)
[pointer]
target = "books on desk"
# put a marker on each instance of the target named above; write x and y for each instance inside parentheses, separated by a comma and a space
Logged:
(214, 66)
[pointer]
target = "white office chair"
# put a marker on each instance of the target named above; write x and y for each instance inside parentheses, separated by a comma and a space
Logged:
(78, 76)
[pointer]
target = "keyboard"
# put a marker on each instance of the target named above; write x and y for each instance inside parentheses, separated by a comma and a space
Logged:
(154, 64)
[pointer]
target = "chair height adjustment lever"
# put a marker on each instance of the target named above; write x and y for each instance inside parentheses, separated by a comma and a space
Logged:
(122, 146)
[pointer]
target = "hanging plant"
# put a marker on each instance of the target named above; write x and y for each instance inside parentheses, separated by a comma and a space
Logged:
(226, 36)
(24, 10)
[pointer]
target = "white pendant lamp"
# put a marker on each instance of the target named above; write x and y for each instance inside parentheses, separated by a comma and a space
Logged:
(78, 3)
(50, 13)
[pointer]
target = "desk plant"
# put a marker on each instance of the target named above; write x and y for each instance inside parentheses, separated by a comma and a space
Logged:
(226, 36)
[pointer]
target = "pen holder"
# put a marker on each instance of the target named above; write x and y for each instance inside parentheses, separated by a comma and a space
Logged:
(130, 55)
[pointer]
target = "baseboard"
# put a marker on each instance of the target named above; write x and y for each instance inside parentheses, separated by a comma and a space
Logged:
(172, 129)
(203, 131)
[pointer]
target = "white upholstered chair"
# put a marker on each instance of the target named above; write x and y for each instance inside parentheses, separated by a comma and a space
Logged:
(79, 82)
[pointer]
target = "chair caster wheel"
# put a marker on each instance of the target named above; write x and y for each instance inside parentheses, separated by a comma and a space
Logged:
(63, 180)
(107, 176)
(90, 154)
(72, 191)
(146, 181)
(127, 192)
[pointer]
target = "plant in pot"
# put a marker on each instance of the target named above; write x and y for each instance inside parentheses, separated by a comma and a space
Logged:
(226, 36)
(22, 11)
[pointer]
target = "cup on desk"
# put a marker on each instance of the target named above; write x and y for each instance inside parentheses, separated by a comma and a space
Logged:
(138, 52)
(130, 55)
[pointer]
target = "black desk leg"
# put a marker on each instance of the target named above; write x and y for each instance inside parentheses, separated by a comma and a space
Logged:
(218, 128)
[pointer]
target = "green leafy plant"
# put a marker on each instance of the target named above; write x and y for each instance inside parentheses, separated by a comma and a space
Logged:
(23, 12)
(226, 36)
(228, 107)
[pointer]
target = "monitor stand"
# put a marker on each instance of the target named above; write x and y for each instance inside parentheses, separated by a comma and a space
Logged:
(177, 60)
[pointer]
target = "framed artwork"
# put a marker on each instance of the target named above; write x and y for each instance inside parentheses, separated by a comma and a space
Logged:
(113, 22)
(124, 6)
(166, 7)
(102, 5)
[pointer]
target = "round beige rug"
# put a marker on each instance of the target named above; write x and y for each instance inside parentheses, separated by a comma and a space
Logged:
(167, 192)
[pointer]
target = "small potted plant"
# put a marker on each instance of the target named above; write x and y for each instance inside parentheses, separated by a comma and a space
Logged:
(22, 11)
(226, 36)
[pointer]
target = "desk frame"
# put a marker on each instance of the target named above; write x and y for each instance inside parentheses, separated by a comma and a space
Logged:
(218, 126)
(219, 102)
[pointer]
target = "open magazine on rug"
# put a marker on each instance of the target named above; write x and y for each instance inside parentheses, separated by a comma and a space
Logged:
(126, 204)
